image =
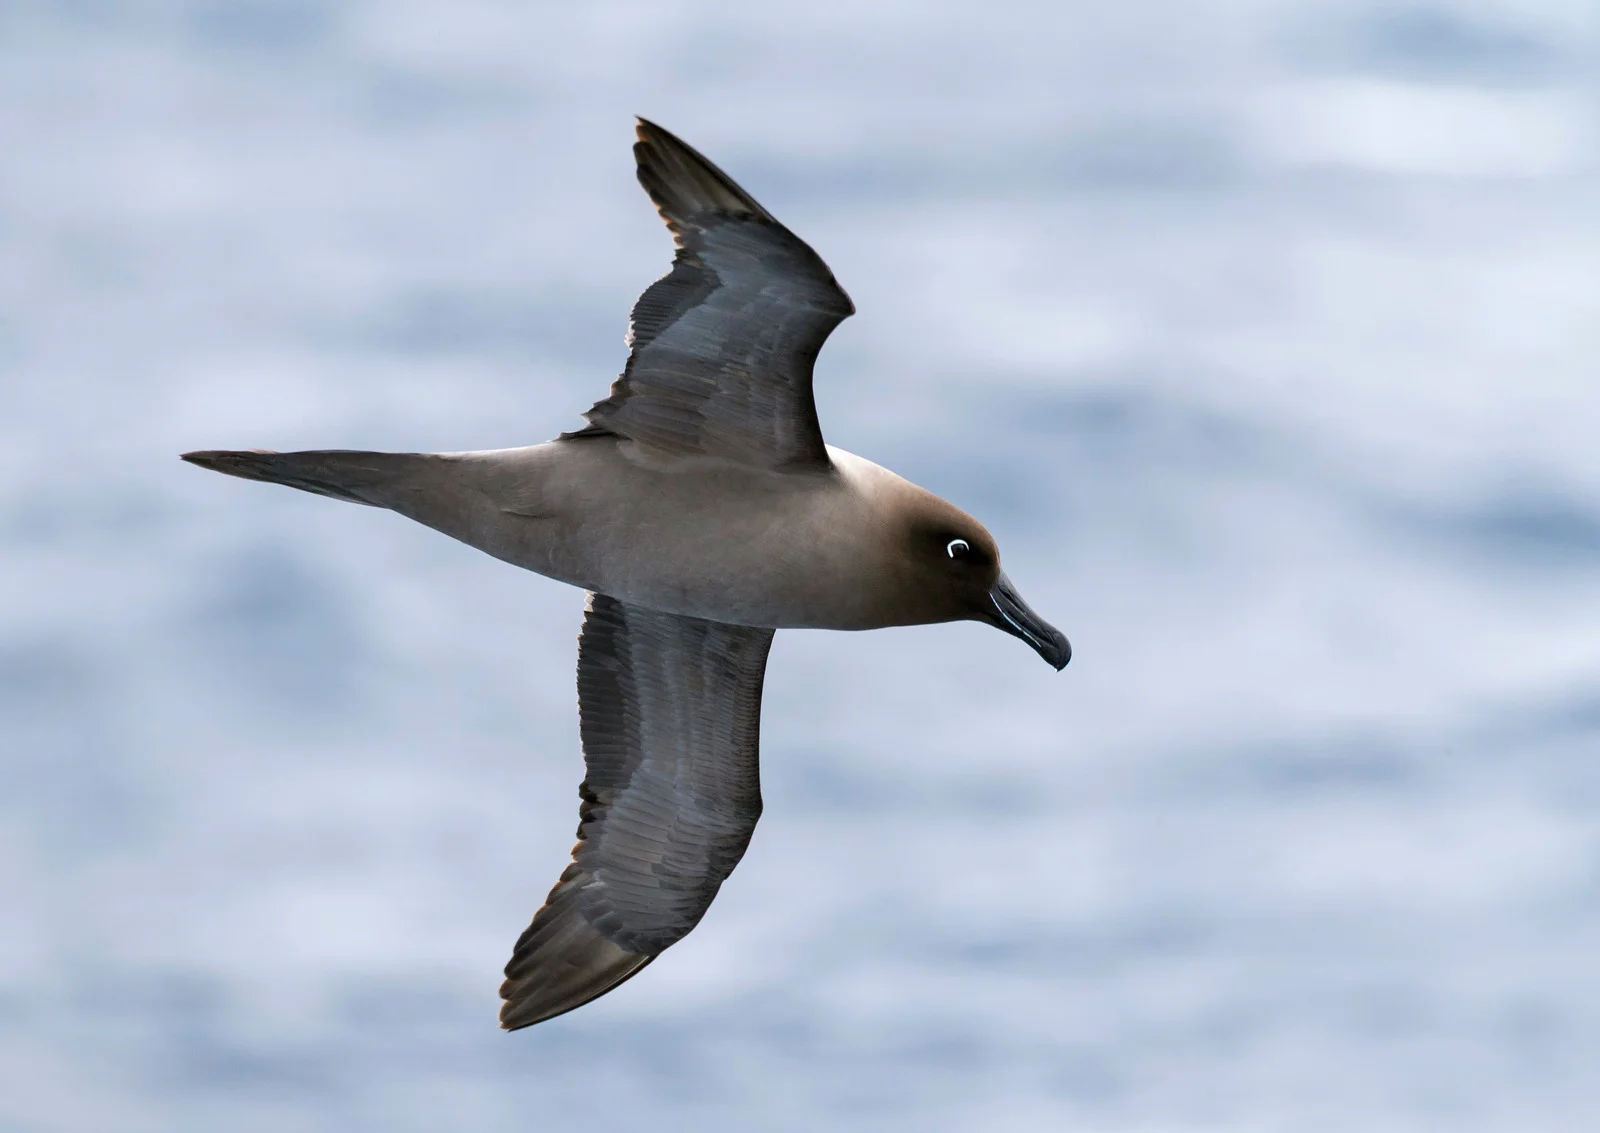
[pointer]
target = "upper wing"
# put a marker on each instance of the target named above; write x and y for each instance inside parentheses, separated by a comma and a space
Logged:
(724, 343)
(670, 711)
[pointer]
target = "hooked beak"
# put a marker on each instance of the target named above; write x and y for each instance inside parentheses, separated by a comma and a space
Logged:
(1013, 615)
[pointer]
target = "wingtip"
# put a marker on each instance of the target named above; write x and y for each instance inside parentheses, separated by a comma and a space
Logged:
(683, 182)
(646, 132)
(566, 985)
(647, 129)
(562, 961)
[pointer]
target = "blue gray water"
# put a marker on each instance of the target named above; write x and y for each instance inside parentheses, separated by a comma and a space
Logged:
(1265, 337)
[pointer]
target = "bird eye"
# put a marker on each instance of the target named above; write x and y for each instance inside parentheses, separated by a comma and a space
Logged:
(956, 548)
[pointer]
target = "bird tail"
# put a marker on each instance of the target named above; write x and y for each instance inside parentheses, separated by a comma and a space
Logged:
(359, 477)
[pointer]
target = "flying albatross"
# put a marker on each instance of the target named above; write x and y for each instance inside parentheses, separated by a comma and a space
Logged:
(701, 510)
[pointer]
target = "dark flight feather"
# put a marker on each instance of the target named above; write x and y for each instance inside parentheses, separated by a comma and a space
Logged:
(670, 714)
(723, 345)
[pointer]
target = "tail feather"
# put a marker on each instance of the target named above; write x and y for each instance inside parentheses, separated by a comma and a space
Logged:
(359, 477)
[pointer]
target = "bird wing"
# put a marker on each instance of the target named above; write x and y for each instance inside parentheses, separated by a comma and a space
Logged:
(724, 343)
(670, 715)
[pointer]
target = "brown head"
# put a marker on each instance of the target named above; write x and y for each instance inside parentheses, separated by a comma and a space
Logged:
(948, 570)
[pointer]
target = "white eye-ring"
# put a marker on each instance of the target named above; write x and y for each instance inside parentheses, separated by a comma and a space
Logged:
(956, 548)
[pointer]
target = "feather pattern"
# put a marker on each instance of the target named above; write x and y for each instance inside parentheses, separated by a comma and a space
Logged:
(723, 345)
(670, 711)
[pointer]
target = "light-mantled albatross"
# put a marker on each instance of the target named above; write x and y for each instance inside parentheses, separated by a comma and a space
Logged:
(701, 510)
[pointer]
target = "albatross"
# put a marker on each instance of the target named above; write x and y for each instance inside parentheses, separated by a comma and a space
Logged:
(702, 511)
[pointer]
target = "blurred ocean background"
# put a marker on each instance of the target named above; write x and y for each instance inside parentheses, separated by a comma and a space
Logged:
(1266, 338)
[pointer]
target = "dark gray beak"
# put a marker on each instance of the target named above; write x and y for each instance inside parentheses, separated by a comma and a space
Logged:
(1014, 616)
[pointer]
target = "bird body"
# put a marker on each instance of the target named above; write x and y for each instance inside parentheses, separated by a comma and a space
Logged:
(698, 536)
(702, 511)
